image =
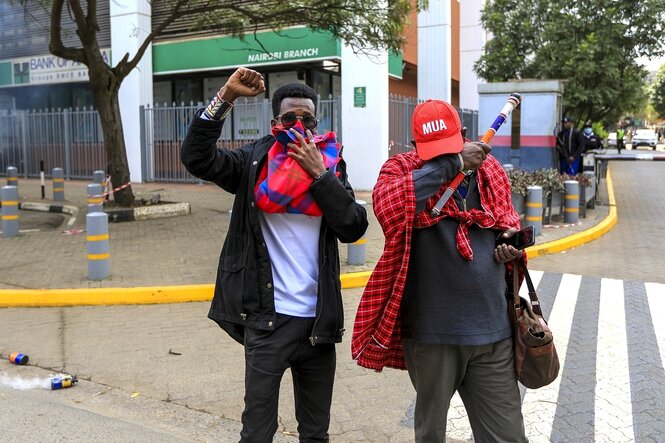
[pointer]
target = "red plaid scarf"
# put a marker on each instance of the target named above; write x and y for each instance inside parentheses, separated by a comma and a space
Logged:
(377, 341)
(283, 185)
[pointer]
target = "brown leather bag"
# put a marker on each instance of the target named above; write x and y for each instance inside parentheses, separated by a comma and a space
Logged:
(536, 360)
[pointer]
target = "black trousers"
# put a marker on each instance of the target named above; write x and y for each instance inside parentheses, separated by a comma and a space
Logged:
(267, 355)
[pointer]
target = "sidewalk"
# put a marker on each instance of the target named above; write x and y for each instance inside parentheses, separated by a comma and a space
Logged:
(164, 253)
(165, 370)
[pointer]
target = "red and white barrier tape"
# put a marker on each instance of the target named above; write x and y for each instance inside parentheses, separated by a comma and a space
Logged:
(104, 195)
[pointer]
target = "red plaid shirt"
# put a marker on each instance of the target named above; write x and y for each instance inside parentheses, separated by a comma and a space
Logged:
(377, 341)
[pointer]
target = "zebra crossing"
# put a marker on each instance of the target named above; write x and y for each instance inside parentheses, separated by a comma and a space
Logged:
(610, 339)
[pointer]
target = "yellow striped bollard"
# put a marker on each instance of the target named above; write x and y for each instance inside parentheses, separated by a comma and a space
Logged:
(571, 207)
(9, 211)
(534, 208)
(357, 251)
(12, 176)
(97, 227)
(58, 177)
(95, 199)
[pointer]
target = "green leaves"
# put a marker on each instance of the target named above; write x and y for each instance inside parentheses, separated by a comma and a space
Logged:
(658, 92)
(363, 24)
(591, 45)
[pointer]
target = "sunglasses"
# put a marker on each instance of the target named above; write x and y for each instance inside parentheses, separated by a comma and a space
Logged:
(289, 119)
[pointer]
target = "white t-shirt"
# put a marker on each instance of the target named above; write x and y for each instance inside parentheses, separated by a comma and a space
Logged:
(293, 245)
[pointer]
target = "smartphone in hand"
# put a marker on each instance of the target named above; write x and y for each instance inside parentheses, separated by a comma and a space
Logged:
(520, 240)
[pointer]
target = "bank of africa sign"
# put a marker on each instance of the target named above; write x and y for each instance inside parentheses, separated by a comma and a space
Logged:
(47, 69)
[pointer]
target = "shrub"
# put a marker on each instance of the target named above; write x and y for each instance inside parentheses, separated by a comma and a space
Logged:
(519, 180)
(549, 179)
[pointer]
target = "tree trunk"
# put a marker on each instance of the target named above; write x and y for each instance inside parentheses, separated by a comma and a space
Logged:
(105, 89)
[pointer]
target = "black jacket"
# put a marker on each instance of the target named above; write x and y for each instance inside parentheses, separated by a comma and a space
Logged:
(244, 287)
(570, 143)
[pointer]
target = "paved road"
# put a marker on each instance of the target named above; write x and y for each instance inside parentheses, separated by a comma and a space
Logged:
(190, 374)
(633, 249)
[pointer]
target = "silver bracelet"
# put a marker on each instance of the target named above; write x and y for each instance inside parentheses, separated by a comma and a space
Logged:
(320, 176)
(218, 108)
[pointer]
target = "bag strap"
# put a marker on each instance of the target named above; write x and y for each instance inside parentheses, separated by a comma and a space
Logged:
(535, 303)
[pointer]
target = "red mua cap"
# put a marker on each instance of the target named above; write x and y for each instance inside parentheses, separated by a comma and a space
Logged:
(437, 129)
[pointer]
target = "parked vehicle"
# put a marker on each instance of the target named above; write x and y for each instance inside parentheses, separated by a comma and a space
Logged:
(645, 137)
(611, 140)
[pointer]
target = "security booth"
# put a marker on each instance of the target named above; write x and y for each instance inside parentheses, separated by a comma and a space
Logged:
(527, 139)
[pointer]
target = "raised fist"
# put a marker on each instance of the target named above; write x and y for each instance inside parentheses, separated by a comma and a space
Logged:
(243, 82)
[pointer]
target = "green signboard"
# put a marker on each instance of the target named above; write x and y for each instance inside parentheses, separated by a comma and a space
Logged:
(395, 61)
(268, 47)
(359, 96)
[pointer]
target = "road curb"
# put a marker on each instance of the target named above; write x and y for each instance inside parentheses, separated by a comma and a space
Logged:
(149, 212)
(198, 293)
(583, 237)
(46, 207)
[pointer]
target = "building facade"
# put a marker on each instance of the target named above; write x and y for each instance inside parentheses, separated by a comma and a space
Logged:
(183, 67)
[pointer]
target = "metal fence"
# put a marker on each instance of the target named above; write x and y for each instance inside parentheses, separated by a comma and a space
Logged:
(165, 128)
(68, 139)
(400, 128)
(73, 140)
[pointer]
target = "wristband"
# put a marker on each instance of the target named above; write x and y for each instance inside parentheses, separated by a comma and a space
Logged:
(218, 108)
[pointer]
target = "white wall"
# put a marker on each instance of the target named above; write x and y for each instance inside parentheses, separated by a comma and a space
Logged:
(434, 51)
(472, 39)
(130, 25)
(364, 130)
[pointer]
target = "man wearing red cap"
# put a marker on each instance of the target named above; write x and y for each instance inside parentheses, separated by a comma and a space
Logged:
(435, 303)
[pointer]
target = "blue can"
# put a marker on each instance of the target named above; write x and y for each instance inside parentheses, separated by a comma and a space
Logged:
(18, 359)
(63, 381)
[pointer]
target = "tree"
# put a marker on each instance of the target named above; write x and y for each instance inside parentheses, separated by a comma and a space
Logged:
(363, 24)
(592, 46)
(658, 92)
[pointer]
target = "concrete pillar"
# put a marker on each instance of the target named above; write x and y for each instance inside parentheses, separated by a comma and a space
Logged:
(130, 25)
(571, 211)
(95, 199)
(58, 178)
(534, 208)
(97, 227)
(357, 251)
(435, 51)
(364, 115)
(472, 39)
(9, 211)
(12, 176)
(590, 200)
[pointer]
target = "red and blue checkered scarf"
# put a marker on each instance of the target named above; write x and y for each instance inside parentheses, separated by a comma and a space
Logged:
(283, 185)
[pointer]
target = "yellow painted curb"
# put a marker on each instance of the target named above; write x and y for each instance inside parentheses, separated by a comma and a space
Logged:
(581, 237)
(104, 296)
(355, 279)
(194, 293)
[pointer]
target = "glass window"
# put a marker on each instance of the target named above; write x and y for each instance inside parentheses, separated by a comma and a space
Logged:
(188, 90)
